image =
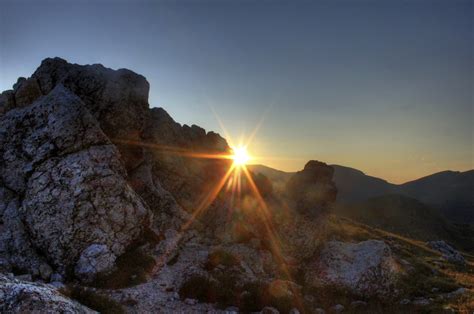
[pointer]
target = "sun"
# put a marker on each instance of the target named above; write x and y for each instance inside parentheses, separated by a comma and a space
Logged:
(241, 157)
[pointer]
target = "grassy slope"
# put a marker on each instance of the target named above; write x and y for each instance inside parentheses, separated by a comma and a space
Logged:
(408, 217)
(429, 270)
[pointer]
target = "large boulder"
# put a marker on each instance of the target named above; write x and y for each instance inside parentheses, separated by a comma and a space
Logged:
(27, 297)
(366, 268)
(68, 180)
(312, 188)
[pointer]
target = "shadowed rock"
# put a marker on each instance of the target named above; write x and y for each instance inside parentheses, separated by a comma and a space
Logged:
(312, 188)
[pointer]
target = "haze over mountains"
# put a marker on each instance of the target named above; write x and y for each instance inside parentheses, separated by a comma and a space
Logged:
(449, 191)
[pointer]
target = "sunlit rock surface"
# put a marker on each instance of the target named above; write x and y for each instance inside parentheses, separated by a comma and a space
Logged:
(365, 268)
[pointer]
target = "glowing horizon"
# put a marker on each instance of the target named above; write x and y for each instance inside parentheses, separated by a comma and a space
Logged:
(382, 87)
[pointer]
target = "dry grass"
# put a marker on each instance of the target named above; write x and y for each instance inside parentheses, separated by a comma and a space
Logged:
(428, 272)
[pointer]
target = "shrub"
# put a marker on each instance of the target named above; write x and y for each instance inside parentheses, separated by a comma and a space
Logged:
(221, 257)
(94, 300)
(132, 269)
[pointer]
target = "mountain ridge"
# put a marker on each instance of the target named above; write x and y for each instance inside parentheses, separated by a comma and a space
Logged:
(448, 191)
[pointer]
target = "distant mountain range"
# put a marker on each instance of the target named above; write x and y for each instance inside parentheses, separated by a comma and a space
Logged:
(451, 192)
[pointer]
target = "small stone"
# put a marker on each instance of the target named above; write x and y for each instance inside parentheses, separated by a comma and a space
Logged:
(405, 302)
(231, 310)
(57, 284)
(25, 277)
(269, 310)
(455, 293)
(338, 308)
(294, 311)
(191, 301)
(358, 304)
(56, 277)
(421, 302)
(319, 311)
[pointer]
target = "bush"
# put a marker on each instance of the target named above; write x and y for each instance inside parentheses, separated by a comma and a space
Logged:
(132, 269)
(94, 300)
(221, 257)
(251, 297)
(200, 288)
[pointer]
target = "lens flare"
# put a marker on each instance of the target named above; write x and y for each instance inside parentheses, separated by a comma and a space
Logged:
(241, 157)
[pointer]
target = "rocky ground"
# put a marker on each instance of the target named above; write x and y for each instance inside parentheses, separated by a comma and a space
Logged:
(103, 207)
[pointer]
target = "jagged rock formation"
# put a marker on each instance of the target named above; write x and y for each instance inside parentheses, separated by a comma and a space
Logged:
(80, 169)
(312, 189)
(17, 296)
(366, 268)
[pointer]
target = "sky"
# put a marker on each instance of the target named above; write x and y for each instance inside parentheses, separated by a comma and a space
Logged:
(382, 86)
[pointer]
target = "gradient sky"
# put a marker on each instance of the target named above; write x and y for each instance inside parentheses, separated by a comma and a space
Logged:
(382, 86)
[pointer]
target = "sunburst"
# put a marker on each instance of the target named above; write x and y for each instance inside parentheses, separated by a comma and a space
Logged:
(233, 180)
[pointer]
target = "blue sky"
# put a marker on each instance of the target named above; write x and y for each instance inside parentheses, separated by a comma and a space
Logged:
(382, 86)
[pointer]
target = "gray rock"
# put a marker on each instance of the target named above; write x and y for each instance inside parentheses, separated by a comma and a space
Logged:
(26, 91)
(269, 310)
(294, 311)
(448, 252)
(319, 311)
(190, 301)
(57, 284)
(312, 189)
(405, 302)
(366, 268)
(421, 302)
(231, 310)
(7, 101)
(338, 308)
(25, 277)
(26, 297)
(56, 277)
(358, 304)
(95, 259)
(75, 194)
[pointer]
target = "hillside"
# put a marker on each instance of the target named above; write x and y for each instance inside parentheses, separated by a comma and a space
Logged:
(408, 217)
(448, 191)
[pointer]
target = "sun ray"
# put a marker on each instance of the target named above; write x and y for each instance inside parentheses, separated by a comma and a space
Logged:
(272, 235)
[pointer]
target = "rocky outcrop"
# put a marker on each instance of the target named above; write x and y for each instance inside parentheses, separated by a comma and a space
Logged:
(448, 252)
(66, 179)
(174, 149)
(83, 159)
(312, 188)
(27, 297)
(366, 268)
